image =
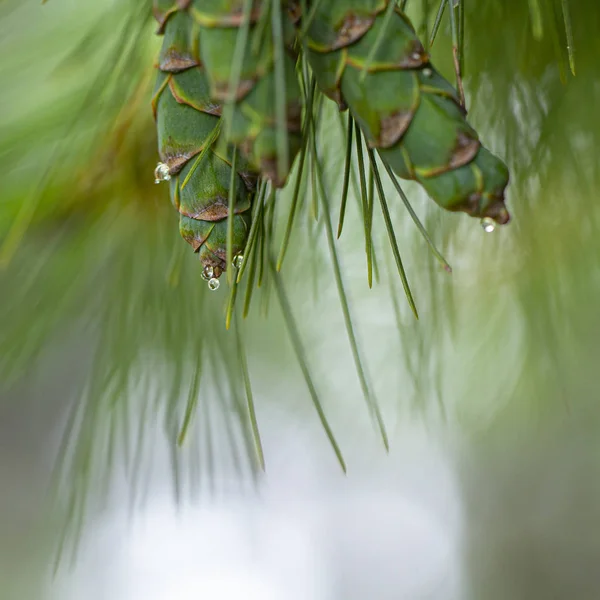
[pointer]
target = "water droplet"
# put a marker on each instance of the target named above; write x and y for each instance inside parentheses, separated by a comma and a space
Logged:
(427, 72)
(488, 224)
(416, 56)
(238, 260)
(213, 284)
(161, 173)
(208, 273)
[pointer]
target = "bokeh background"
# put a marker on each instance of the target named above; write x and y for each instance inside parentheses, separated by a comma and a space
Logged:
(109, 338)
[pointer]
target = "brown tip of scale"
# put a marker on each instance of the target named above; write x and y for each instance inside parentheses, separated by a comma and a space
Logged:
(497, 210)
(351, 30)
(393, 128)
(465, 150)
(503, 218)
(173, 62)
(216, 265)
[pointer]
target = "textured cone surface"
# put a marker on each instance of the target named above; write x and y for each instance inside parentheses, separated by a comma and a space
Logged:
(405, 108)
(186, 118)
(252, 124)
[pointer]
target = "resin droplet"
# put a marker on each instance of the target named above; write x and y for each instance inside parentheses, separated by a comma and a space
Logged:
(238, 260)
(213, 284)
(427, 72)
(161, 173)
(488, 224)
(208, 273)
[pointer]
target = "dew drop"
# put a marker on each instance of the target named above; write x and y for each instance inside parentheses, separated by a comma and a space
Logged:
(427, 72)
(213, 284)
(161, 173)
(416, 56)
(238, 260)
(488, 224)
(208, 273)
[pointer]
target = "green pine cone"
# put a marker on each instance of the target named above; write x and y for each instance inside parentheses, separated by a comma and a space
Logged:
(186, 120)
(253, 125)
(405, 108)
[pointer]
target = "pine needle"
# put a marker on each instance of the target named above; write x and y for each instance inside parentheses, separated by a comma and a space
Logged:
(416, 220)
(292, 330)
(437, 22)
(347, 169)
(192, 401)
(254, 227)
(262, 236)
(250, 281)
(461, 37)
(232, 396)
(241, 44)
(302, 160)
(261, 28)
(230, 216)
(456, 52)
(424, 27)
(311, 14)
(369, 219)
(365, 204)
(231, 303)
(569, 33)
(249, 397)
(392, 235)
(337, 271)
(315, 118)
(535, 10)
(293, 207)
(283, 154)
(270, 222)
(209, 142)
